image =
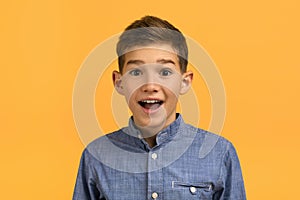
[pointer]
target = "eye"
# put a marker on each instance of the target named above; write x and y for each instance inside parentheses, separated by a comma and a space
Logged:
(135, 72)
(166, 72)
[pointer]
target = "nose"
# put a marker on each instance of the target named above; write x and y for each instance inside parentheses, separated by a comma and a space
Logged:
(150, 87)
(150, 84)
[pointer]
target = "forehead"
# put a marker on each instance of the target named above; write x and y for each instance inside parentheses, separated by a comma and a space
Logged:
(151, 53)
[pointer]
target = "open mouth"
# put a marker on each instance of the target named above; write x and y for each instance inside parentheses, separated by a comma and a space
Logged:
(151, 104)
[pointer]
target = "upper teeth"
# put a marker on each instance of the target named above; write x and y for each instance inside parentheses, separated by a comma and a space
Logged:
(150, 101)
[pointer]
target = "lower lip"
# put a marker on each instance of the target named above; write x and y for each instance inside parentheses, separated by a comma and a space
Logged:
(151, 111)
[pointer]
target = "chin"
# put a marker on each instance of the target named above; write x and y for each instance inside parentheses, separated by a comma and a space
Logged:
(154, 120)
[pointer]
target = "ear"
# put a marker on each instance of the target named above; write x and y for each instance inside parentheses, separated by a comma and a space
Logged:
(116, 77)
(187, 79)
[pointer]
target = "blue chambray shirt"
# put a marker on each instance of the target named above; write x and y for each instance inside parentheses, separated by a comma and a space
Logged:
(187, 163)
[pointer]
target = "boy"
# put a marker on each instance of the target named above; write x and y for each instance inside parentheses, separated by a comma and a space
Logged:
(157, 155)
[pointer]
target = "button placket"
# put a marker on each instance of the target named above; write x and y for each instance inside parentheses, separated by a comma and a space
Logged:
(155, 184)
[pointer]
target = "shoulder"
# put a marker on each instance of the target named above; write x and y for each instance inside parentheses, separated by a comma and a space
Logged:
(111, 136)
(101, 144)
(203, 135)
(210, 143)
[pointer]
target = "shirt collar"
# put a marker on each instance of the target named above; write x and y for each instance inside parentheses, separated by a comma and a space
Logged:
(163, 136)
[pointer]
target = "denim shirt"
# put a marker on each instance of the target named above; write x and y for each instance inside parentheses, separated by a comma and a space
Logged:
(187, 163)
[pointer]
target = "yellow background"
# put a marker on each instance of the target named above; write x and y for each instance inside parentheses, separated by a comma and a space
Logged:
(255, 45)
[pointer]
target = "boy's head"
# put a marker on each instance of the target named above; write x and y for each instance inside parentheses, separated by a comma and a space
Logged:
(152, 71)
(151, 30)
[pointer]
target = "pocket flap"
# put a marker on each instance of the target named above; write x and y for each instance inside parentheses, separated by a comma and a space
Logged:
(207, 186)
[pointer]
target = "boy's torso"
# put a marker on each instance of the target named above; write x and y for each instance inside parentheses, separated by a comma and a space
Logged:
(124, 167)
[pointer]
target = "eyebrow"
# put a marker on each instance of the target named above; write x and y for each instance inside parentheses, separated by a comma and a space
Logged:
(161, 61)
(135, 62)
(165, 61)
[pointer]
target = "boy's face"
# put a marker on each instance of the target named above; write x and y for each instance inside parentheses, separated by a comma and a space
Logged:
(151, 82)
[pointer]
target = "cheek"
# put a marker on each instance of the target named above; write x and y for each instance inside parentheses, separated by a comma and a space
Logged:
(172, 93)
(171, 101)
(131, 86)
(129, 91)
(132, 101)
(172, 87)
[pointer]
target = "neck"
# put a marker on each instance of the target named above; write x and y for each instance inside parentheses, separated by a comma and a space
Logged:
(149, 133)
(151, 141)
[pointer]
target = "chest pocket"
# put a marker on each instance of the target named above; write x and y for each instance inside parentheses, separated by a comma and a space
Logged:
(202, 191)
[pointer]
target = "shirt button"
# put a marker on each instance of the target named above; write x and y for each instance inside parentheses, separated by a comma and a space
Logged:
(193, 190)
(154, 156)
(154, 195)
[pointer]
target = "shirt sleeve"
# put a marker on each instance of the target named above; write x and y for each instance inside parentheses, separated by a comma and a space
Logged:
(86, 187)
(232, 176)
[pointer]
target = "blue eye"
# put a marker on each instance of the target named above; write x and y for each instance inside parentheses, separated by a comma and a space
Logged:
(135, 72)
(166, 72)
